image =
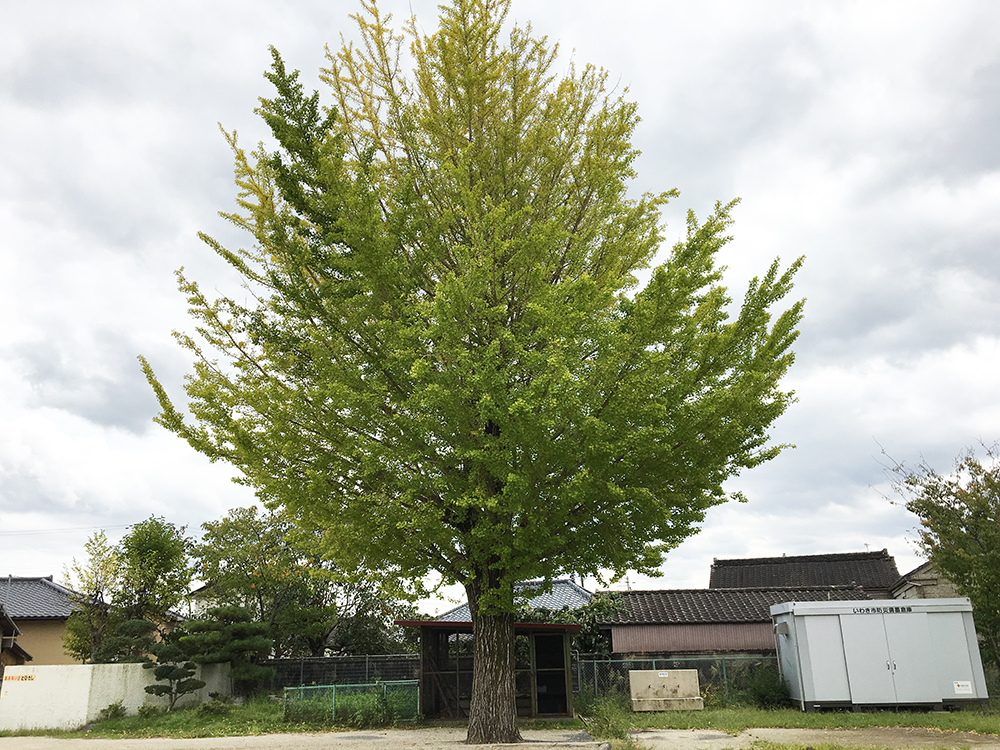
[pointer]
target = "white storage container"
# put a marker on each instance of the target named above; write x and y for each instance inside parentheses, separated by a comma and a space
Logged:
(892, 652)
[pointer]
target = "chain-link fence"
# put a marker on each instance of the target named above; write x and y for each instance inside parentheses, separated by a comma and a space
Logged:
(992, 679)
(723, 679)
(373, 704)
(344, 670)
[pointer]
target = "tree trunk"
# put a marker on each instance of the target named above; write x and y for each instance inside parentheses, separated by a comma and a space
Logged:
(492, 711)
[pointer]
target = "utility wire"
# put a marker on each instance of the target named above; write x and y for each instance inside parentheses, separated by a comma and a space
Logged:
(29, 532)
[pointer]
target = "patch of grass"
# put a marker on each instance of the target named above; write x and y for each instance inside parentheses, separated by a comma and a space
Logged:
(256, 716)
(266, 716)
(736, 719)
(610, 719)
(361, 708)
(365, 711)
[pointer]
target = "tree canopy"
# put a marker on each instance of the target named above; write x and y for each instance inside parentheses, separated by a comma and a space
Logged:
(444, 361)
(127, 592)
(306, 605)
(960, 532)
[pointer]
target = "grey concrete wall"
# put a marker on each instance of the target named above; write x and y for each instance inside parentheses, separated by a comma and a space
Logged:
(67, 697)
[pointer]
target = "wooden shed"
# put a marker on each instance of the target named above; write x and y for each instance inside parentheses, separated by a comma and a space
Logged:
(542, 673)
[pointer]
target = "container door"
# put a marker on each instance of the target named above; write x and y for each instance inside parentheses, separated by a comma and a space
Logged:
(825, 672)
(869, 665)
(912, 658)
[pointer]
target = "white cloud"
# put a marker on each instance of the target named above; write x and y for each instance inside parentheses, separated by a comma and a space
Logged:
(865, 136)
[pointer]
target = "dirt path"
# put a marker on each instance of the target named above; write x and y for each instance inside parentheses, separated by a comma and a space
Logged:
(451, 738)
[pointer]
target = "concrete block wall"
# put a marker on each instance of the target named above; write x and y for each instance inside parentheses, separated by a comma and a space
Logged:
(67, 697)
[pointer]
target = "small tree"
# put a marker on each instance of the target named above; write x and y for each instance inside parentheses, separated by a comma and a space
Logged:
(254, 561)
(230, 635)
(95, 581)
(126, 592)
(262, 562)
(174, 667)
(131, 641)
(960, 532)
(156, 571)
(368, 628)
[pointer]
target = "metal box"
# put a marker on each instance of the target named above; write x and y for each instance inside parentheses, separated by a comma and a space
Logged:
(893, 652)
(663, 690)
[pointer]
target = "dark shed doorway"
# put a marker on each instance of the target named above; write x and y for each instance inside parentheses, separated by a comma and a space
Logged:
(542, 676)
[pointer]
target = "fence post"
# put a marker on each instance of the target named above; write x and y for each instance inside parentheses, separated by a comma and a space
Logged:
(725, 680)
(579, 671)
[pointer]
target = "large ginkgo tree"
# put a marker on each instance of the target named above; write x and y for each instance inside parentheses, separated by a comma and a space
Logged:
(444, 360)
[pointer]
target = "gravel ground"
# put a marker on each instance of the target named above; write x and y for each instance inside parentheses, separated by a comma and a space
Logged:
(452, 738)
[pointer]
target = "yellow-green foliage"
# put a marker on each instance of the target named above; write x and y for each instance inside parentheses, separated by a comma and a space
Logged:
(446, 361)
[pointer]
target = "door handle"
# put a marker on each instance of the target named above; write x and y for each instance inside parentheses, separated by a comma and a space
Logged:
(887, 664)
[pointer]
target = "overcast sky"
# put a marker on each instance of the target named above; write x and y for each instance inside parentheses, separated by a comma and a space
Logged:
(863, 135)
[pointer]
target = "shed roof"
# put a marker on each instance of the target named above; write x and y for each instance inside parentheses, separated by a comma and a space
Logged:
(564, 595)
(702, 606)
(870, 570)
(35, 598)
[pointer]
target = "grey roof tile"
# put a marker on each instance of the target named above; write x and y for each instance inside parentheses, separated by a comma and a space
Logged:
(564, 594)
(870, 570)
(35, 598)
(693, 606)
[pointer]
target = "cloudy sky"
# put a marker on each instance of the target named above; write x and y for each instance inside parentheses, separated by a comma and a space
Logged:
(863, 135)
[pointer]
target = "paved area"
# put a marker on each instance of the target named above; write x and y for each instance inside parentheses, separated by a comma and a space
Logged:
(429, 738)
(452, 738)
(892, 737)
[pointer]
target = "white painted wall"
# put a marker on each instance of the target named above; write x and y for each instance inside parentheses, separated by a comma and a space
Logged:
(67, 697)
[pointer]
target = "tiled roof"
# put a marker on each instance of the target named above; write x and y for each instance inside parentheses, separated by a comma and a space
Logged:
(870, 570)
(923, 569)
(564, 594)
(693, 606)
(35, 598)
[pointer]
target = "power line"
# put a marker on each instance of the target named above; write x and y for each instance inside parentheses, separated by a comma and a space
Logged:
(29, 532)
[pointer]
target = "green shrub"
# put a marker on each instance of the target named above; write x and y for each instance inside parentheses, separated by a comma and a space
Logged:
(610, 718)
(215, 707)
(114, 711)
(765, 688)
(583, 702)
(713, 695)
(365, 710)
(149, 710)
(309, 711)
